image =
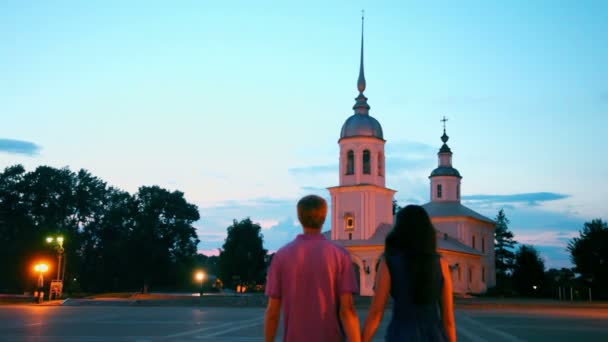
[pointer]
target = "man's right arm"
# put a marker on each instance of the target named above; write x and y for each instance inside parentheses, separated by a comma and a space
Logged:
(273, 315)
(349, 318)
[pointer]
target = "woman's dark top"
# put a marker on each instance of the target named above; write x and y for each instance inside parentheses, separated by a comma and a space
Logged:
(410, 321)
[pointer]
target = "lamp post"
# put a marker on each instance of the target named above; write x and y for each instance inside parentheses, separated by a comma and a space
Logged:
(60, 250)
(41, 269)
(200, 276)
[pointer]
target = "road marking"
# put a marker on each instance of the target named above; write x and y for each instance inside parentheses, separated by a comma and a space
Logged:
(500, 333)
(240, 327)
(468, 334)
(219, 326)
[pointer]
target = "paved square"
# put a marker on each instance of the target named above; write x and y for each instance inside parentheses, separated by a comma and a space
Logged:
(142, 323)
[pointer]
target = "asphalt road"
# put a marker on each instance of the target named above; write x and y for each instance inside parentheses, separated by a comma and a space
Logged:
(124, 323)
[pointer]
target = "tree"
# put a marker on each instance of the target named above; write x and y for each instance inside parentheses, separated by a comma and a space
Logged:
(589, 253)
(242, 259)
(528, 271)
(162, 244)
(112, 240)
(396, 207)
(503, 249)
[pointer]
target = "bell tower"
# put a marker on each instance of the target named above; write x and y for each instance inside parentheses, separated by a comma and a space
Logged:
(361, 203)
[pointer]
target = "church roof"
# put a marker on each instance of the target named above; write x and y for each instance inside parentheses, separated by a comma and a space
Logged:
(443, 243)
(451, 209)
(361, 124)
(445, 171)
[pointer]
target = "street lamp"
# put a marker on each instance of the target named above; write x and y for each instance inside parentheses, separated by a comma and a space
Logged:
(59, 247)
(41, 269)
(200, 276)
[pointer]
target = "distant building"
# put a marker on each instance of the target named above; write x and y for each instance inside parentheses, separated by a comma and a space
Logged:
(362, 206)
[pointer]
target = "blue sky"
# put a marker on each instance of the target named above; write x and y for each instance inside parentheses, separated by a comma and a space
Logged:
(240, 105)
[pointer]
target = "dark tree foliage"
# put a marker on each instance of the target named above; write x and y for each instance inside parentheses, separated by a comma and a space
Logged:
(113, 241)
(589, 253)
(243, 257)
(503, 250)
(396, 207)
(528, 271)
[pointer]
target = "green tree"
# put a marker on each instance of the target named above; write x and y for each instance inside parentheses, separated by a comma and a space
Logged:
(162, 244)
(396, 207)
(528, 271)
(112, 240)
(589, 253)
(503, 250)
(242, 259)
(17, 233)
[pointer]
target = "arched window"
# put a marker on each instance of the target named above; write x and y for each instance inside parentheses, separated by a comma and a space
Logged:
(473, 241)
(439, 190)
(483, 245)
(350, 162)
(458, 191)
(367, 169)
(380, 165)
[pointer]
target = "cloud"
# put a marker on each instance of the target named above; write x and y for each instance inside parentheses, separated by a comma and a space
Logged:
(406, 147)
(531, 199)
(19, 147)
(329, 168)
(282, 233)
(209, 252)
(546, 238)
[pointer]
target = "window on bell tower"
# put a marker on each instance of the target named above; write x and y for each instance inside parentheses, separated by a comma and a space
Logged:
(458, 191)
(350, 162)
(380, 166)
(439, 190)
(349, 222)
(367, 168)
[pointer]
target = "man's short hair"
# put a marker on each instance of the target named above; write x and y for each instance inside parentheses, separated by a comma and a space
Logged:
(312, 210)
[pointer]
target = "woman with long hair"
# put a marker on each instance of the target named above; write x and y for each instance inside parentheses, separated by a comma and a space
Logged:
(419, 281)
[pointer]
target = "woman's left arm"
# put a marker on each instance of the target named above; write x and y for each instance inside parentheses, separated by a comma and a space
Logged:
(376, 311)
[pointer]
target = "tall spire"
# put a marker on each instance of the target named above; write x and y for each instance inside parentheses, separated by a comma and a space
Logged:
(361, 106)
(445, 148)
(361, 80)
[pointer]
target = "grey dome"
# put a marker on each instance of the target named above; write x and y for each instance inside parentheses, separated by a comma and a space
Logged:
(361, 125)
(445, 171)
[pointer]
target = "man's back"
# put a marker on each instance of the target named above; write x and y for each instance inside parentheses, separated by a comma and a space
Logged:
(309, 275)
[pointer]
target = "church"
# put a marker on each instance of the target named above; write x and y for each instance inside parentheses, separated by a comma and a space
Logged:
(362, 206)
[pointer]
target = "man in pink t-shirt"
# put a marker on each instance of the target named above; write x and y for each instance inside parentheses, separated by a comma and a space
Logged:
(313, 280)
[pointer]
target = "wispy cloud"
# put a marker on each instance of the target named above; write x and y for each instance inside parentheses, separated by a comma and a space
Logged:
(19, 147)
(546, 238)
(531, 199)
(277, 236)
(406, 147)
(329, 168)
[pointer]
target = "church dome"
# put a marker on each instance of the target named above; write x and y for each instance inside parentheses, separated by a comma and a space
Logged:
(445, 171)
(361, 125)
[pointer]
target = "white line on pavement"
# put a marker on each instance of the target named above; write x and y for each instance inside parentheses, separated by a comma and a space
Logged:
(259, 321)
(500, 333)
(219, 326)
(468, 334)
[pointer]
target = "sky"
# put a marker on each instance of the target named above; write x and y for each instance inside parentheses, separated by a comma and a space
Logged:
(239, 104)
